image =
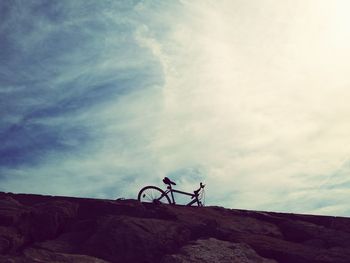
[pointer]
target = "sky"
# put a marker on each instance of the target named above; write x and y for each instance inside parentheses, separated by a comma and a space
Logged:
(100, 98)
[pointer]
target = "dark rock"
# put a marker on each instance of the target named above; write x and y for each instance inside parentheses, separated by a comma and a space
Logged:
(41, 255)
(47, 220)
(10, 240)
(70, 242)
(209, 222)
(35, 228)
(15, 259)
(213, 250)
(35, 255)
(11, 211)
(317, 243)
(139, 240)
(302, 232)
(291, 252)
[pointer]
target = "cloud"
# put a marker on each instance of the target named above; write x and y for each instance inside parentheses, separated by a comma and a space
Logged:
(66, 73)
(99, 99)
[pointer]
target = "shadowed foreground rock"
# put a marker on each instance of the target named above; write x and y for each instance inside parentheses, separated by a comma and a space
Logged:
(35, 228)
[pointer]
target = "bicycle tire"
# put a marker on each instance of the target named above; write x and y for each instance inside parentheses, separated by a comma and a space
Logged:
(153, 194)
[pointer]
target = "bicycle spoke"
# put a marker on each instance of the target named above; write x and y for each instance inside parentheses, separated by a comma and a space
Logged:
(153, 194)
(148, 197)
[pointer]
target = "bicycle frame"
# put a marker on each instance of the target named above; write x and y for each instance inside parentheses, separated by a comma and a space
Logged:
(172, 191)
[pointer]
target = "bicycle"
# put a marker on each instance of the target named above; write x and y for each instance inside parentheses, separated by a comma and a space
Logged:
(153, 194)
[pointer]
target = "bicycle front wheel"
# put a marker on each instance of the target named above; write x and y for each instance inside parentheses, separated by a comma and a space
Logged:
(153, 194)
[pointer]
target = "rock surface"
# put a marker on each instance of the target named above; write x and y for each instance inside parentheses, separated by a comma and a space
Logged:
(214, 250)
(35, 228)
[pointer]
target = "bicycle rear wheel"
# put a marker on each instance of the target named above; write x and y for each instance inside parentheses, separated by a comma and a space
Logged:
(153, 194)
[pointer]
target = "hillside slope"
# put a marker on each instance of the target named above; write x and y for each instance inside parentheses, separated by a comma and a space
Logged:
(35, 228)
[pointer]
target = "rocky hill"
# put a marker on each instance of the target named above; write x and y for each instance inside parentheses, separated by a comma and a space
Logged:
(35, 228)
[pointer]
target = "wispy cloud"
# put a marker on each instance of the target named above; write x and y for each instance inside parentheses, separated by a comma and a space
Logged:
(100, 98)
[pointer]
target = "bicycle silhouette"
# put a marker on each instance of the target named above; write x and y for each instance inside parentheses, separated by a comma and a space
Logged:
(153, 194)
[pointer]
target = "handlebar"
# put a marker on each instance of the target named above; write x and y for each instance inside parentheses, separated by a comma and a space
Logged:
(201, 185)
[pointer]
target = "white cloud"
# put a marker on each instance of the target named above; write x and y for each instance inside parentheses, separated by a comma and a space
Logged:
(255, 97)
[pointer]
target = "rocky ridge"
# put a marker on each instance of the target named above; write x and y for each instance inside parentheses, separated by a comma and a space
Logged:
(36, 228)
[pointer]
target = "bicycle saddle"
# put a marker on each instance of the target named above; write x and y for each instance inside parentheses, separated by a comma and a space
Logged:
(166, 180)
